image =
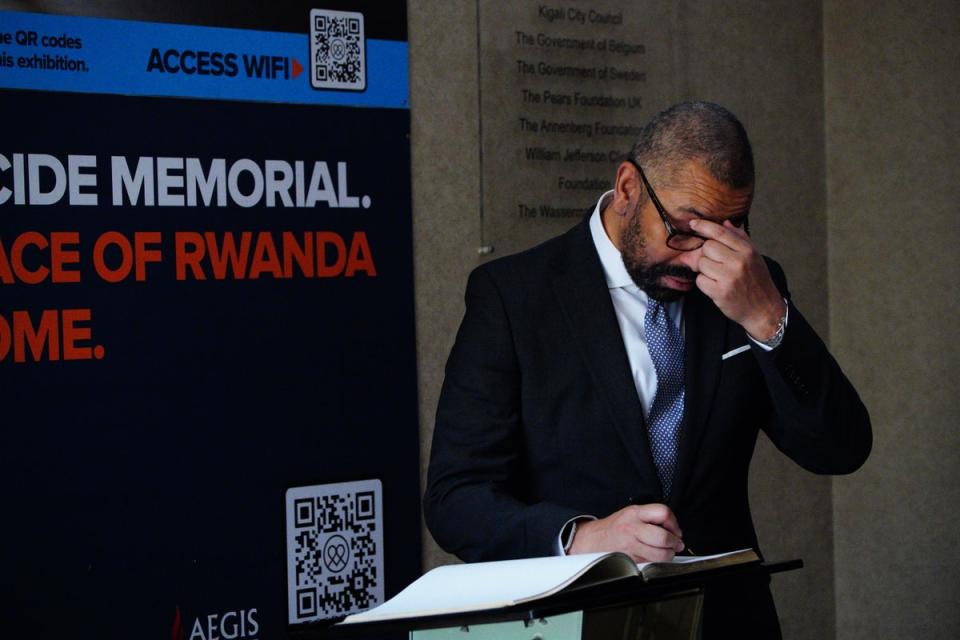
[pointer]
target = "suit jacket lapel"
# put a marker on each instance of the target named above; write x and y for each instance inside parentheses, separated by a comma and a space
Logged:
(704, 337)
(581, 289)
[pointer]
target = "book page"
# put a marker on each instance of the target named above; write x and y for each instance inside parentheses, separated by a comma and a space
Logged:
(482, 585)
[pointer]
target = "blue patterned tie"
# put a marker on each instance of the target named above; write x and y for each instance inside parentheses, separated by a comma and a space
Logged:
(665, 343)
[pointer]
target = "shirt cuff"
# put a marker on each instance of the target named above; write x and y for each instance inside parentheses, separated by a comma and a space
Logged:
(567, 531)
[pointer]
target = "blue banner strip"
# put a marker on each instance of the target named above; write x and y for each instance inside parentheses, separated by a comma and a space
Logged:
(95, 55)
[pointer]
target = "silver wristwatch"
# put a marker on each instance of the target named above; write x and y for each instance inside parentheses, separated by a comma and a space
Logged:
(774, 341)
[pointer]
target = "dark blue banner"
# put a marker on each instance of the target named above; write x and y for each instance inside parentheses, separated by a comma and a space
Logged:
(207, 357)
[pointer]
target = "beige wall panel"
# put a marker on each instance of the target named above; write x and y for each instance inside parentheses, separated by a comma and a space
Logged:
(893, 121)
(446, 192)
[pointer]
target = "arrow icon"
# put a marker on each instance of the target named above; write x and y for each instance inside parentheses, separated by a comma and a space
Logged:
(296, 66)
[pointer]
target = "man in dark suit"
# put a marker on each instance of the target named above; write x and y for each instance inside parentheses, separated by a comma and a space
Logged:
(606, 387)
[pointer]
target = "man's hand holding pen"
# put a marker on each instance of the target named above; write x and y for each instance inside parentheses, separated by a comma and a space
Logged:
(645, 532)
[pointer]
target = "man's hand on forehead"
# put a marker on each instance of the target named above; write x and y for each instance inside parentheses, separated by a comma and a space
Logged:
(734, 275)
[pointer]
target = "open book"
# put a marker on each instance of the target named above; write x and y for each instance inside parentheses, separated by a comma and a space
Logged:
(479, 586)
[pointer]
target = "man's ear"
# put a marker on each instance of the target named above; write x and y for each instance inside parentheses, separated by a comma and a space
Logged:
(627, 189)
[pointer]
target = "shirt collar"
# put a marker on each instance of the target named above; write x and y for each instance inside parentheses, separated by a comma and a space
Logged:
(616, 274)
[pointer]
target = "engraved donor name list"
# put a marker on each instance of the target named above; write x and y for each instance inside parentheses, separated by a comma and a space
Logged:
(565, 89)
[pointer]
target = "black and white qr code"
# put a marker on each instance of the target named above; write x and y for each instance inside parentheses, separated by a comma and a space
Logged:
(337, 50)
(334, 550)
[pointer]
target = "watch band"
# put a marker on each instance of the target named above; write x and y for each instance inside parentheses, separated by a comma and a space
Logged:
(774, 341)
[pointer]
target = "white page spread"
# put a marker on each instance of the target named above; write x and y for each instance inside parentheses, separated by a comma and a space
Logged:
(482, 585)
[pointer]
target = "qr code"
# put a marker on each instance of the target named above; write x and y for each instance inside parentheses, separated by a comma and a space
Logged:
(334, 550)
(338, 58)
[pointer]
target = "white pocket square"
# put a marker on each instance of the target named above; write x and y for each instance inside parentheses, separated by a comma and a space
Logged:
(730, 354)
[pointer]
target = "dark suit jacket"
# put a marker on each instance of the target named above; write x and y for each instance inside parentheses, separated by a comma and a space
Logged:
(539, 419)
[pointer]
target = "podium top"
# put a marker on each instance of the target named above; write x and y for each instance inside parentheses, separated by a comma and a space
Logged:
(624, 591)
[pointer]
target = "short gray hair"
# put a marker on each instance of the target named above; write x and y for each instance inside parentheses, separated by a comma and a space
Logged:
(701, 131)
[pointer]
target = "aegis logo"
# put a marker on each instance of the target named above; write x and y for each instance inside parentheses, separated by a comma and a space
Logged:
(229, 625)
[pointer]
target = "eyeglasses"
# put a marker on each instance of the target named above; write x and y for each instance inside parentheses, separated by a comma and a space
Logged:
(676, 240)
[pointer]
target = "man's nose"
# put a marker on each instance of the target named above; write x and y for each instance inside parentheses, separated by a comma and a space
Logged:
(690, 259)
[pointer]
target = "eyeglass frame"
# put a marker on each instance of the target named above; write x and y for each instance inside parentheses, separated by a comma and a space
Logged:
(671, 230)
